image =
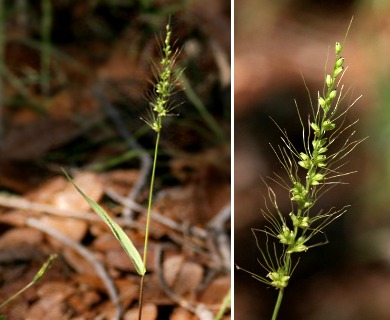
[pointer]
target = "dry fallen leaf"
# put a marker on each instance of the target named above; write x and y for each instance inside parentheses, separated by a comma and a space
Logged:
(51, 304)
(71, 228)
(21, 244)
(183, 277)
(59, 193)
(181, 314)
(76, 261)
(69, 199)
(149, 312)
(128, 290)
(120, 181)
(83, 300)
(216, 291)
(20, 236)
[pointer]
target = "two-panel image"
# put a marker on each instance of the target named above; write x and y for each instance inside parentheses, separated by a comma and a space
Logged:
(182, 160)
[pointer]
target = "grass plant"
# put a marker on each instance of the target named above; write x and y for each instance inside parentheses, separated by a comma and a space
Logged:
(160, 107)
(309, 173)
(36, 278)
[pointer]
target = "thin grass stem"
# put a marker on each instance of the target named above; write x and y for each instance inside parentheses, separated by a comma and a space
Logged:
(148, 214)
(277, 304)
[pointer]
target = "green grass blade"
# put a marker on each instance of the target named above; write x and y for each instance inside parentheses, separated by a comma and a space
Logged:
(118, 232)
(37, 277)
(225, 305)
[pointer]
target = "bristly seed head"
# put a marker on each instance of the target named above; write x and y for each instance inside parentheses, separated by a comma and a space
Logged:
(165, 85)
(308, 172)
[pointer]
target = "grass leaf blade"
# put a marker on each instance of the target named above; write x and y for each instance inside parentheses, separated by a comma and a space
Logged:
(118, 232)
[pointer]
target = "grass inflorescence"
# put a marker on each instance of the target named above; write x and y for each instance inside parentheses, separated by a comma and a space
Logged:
(160, 107)
(309, 173)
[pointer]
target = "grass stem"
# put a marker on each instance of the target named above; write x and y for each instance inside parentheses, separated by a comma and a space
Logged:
(148, 220)
(141, 297)
(277, 304)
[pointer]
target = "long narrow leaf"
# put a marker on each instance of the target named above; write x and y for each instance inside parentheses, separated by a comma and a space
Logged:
(118, 232)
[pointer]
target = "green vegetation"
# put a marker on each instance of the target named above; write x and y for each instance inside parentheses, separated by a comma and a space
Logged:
(309, 174)
(37, 277)
(161, 106)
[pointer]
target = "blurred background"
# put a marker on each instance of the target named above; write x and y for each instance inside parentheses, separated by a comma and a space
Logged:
(276, 42)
